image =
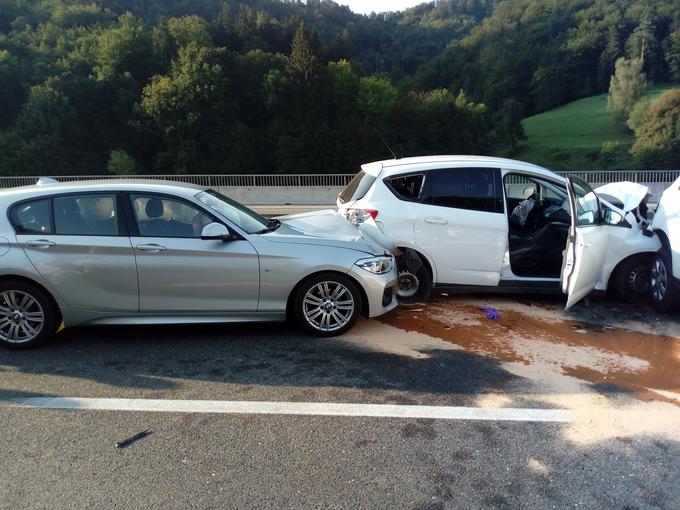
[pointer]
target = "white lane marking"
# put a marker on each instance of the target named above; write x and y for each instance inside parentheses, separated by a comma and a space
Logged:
(297, 408)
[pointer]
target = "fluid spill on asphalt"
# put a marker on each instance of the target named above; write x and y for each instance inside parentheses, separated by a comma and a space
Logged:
(613, 379)
(601, 355)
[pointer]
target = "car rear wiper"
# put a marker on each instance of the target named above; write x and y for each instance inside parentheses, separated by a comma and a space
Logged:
(273, 225)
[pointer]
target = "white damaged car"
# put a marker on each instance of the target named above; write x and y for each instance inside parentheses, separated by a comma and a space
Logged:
(472, 223)
(665, 271)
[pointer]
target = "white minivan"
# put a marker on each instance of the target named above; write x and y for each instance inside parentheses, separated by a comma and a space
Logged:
(476, 223)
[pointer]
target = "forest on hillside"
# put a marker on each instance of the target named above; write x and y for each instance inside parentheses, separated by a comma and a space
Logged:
(286, 86)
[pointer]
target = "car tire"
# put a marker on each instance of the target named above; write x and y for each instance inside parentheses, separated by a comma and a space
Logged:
(663, 292)
(631, 281)
(28, 315)
(327, 304)
(423, 288)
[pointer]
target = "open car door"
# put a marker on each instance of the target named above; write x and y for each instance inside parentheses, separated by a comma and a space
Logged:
(586, 243)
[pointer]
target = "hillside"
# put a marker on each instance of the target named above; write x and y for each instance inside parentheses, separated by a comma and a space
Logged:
(571, 136)
(288, 86)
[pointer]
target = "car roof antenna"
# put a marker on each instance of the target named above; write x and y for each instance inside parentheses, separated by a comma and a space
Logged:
(386, 144)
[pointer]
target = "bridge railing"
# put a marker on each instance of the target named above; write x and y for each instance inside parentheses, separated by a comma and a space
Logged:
(213, 181)
(321, 189)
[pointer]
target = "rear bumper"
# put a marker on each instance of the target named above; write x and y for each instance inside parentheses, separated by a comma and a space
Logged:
(380, 289)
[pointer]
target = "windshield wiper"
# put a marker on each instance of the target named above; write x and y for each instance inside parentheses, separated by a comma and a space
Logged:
(273, 225)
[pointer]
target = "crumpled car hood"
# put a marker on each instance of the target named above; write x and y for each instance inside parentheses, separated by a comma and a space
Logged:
(326, 228)
(629, 193)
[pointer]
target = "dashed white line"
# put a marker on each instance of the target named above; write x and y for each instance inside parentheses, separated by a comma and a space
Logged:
(298, 408)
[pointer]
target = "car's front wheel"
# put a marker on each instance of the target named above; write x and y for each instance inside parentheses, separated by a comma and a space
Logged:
(631, 281)
(28, 317)
(662, 289)
(414, 287)
(327, 304)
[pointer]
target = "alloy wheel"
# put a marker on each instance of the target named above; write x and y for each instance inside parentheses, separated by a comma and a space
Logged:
(659, 280)
(328, 306)
(21, 317)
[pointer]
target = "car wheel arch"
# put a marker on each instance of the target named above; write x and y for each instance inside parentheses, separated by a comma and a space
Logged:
(29, 281)
(424, 257)
(665, 242)
(293, 292)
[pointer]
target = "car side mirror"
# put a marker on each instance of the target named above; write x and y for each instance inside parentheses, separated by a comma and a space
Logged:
(612, 217)
(217, 232)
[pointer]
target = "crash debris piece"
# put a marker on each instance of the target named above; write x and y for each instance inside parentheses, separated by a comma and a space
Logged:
(127, 442)
(491, 313)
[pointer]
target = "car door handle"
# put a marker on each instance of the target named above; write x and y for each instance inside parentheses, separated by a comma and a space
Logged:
(151, 248)
(436, 220)
(39, 243)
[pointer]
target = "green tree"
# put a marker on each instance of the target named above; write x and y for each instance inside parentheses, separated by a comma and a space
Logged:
(121, 163)
(509, 123)
(183, 103)
(304, 62)
(376, 99)
(673, 54)
(125, 50)
(657, 139)
(12, 86)
(627, 85)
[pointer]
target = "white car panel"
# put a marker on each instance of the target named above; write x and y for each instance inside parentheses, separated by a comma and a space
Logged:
(667, 220)
(586, 244)
(470, 244)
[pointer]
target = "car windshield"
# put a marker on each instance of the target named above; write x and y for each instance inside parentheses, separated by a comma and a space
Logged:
(237, 213)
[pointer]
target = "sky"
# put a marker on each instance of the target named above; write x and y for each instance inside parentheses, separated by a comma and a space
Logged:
(366, 6)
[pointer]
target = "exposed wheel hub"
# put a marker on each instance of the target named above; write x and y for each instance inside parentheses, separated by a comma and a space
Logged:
(638, 279)
(408, 284)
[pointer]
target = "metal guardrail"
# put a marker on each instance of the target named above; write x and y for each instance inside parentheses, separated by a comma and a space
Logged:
(333, 180)
(641, 176)
(232, 181)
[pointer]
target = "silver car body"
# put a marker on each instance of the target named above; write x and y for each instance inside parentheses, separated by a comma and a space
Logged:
(126, 279)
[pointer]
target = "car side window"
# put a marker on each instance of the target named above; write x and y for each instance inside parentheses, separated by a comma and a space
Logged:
(477, 189)
(32, 217)
(158, 216)
(406, 187)
(91, 215)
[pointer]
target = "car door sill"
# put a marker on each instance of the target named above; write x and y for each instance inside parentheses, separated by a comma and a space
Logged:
(504, 287)
(80, 317)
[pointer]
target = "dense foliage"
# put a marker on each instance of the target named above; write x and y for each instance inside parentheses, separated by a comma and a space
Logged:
(657, 129)
(232, 86)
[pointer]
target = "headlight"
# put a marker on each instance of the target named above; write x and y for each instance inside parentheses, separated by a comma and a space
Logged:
(376, 265)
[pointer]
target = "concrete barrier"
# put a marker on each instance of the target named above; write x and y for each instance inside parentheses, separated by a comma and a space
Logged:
(283, 195)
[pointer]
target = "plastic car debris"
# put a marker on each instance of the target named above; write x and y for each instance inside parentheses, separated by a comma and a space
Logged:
(491, 313)
(127, 442)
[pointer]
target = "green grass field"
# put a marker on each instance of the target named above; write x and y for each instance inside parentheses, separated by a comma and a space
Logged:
(570, 137)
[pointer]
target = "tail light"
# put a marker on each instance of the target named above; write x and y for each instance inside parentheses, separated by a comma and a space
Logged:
(357, 216)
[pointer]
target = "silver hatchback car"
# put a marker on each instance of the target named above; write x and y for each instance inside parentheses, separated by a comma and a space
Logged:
(135, 252)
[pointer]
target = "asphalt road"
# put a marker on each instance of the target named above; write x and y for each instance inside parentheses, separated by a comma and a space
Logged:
(67, 458)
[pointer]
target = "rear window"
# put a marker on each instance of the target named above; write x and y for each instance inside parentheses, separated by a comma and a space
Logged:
(406, 187)
(32, 217)
(357, 187)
